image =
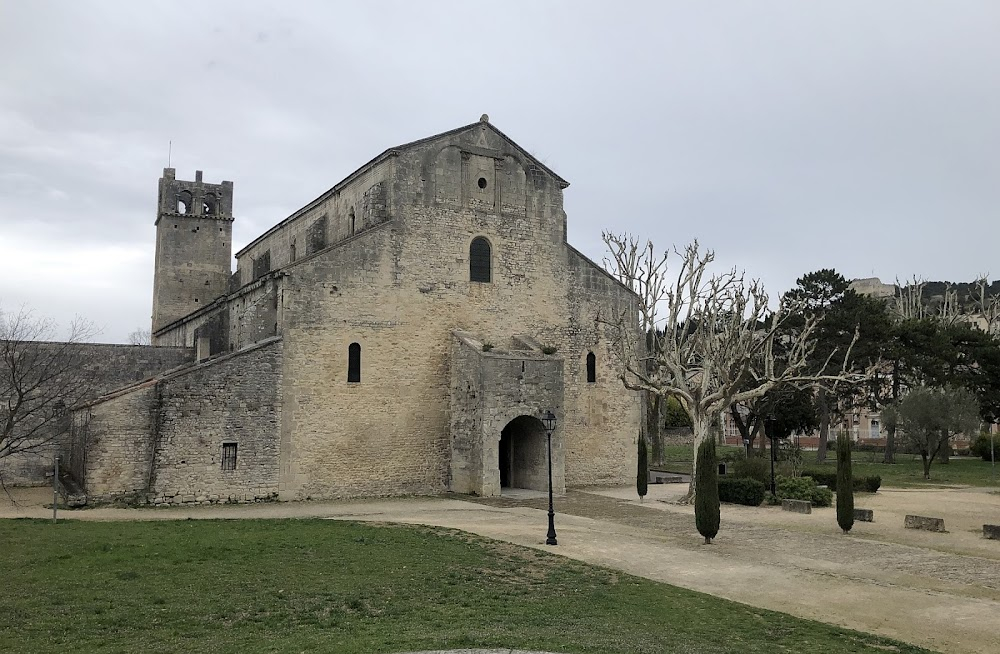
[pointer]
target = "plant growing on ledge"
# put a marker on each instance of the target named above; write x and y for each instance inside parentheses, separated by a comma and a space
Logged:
(549, 349)
(487, 347)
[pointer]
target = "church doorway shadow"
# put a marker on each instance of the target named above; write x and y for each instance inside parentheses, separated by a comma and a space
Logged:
(522, 456)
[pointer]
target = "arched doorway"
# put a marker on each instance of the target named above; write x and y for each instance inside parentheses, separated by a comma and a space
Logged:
(523, 455)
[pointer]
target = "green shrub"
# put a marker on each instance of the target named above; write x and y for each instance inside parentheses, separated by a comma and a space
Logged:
(981, 447)
(755, 467)
(845, 484)
(749, 492)
(706, 489)
(803, 488)
(869, 484)
(823, 477)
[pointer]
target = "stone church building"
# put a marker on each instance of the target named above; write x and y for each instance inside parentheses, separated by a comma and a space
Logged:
(400, 334)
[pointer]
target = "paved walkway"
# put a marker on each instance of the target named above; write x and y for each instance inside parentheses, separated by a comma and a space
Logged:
(941, 591)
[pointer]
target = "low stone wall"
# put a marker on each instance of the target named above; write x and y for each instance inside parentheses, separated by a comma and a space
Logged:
(864, 515)
(796, 506)
(924, 523)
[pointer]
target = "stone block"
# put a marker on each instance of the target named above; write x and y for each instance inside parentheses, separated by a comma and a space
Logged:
(864, 515)
(991, 532)
(796, 506)
(925, 523)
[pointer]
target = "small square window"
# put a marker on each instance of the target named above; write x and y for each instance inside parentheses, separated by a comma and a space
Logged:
(229, 456)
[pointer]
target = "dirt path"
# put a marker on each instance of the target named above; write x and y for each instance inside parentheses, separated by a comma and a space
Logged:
(941, 591)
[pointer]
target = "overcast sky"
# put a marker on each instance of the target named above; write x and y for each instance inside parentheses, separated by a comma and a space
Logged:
(788, 136)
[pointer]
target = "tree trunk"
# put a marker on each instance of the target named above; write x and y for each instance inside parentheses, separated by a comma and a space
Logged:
(927, 464)
(890, 445)
(822, 403)
(654, 433)
(944, 455)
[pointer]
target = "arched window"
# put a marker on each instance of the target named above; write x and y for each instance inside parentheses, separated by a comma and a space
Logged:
(354, 363)
(184, 202)
(479, 260)
(353, 221)
(208, 205)
(591, 368)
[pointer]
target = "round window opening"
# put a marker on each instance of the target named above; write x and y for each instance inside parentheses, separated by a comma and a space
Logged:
(482, 182)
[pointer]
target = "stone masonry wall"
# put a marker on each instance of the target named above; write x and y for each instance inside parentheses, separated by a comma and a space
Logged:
(161, 441)
(400, 289)
(489, 390)
(233, 399)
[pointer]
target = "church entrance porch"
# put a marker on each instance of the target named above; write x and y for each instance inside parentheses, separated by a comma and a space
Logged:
(522, 455)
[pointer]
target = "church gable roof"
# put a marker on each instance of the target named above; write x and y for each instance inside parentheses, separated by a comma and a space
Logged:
(484, 121)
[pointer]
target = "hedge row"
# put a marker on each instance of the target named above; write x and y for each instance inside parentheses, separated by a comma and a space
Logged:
(869, 484)
(803, 488)
(741, 491)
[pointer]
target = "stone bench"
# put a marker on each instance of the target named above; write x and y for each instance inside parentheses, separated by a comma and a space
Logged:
(864, 515)
(991, 531)
(663, 477)
(925, 523)
(798, 506)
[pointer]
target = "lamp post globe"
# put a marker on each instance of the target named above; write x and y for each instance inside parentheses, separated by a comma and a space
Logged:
(549, 420)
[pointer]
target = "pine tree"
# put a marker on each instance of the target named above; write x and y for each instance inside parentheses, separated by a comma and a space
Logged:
(845, 484)
(706, 498)
(642, 473)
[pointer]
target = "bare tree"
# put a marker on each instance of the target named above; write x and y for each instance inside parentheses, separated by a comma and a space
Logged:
(987, 306)
(140, 337)
(39, 380)
(715, 340)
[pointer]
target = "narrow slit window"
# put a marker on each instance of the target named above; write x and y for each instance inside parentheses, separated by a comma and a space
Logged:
(479, 260)
(229, 456)
(354, 363)
(591, 368)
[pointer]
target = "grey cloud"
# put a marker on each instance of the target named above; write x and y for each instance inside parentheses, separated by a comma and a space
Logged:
(787, 136)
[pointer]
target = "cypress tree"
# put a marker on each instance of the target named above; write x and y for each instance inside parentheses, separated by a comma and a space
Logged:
(845, 484)
(642, 473)
(706, 497)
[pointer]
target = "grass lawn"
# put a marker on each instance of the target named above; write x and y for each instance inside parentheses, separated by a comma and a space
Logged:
(329, 586)
(907, 472)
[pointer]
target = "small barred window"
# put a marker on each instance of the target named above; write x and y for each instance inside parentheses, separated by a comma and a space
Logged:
(229, 456)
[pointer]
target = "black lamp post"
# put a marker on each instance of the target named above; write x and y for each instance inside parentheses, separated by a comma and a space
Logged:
(746, 444)
(549, 420)
(769, 430)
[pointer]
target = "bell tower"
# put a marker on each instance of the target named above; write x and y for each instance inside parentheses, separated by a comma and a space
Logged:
(194, 246)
